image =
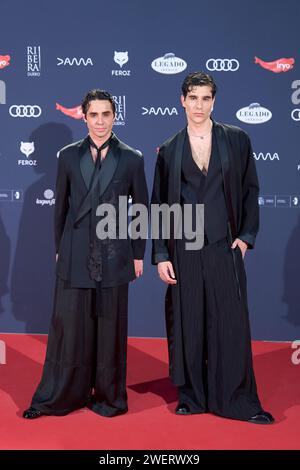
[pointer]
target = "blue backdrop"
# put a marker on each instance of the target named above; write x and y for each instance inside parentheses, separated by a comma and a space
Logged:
(51, 53)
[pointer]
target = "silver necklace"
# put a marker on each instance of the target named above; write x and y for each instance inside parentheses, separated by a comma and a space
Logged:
(201, 136)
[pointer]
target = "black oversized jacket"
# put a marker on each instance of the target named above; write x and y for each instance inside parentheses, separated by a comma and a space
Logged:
(121, 174)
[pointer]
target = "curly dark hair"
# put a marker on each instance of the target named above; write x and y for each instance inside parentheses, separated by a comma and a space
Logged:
(97, 94)
(198, 79)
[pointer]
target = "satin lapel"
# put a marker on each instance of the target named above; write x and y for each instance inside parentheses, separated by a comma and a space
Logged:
(176, 177)
(106, 173)
(83, 148)
(223, 148)
(86, 167)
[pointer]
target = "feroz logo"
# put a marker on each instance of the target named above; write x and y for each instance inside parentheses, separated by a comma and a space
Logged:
(49, 198)
(74, 61)
(222, 65)
(159, 110)
(169, 64)
(277, 66)
(25, 110)
(27, 148)
(120, 110)
(254, 114)
(75, 113)
(121, 58)
(2, 92)
(34, 62)
(4, 61)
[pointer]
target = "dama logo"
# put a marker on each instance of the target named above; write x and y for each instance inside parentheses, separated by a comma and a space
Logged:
(159, 110)
(74, 61)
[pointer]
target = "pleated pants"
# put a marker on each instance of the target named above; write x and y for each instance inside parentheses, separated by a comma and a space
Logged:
(218, 368)
(85, 361)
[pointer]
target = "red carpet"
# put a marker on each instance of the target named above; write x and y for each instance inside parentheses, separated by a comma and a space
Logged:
(150, 422)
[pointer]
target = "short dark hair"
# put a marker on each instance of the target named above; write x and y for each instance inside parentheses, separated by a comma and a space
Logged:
(198, 79)
(97, 94)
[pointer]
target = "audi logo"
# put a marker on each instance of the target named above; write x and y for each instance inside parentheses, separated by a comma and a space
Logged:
(25, 110)
(296, 114)
(222, 65)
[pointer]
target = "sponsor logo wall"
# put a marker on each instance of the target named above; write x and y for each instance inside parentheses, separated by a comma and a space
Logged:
(142, 62)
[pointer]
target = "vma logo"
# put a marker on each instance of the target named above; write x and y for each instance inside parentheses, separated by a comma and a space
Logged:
(33, 61)
(2, 92)
(159, 111)
(120, 110)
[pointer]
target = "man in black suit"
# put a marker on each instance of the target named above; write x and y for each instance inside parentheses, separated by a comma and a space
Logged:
(86, 354)
(206, 302)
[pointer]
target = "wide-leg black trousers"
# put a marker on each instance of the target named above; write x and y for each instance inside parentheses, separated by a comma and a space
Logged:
(86, 354)
(218, 367)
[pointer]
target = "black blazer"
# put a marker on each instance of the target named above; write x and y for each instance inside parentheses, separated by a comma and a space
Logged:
(239, 178)
(121, 174)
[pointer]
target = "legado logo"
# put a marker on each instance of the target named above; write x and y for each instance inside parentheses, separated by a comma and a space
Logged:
(254, 114)
(169, 64)
(159, 110)
(74, 61)
(277, 66)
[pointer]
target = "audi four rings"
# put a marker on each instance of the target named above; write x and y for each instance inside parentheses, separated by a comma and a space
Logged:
(222, 65)
(25, 110)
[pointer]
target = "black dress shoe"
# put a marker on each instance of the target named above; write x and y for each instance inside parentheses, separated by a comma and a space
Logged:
(183, 409)
(262, 418)
(32, 413)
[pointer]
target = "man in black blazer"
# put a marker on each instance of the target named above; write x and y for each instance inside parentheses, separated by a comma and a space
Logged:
(86, 354)
(206, 302)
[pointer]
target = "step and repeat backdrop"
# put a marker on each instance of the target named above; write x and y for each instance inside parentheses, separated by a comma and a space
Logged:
(52, 53)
